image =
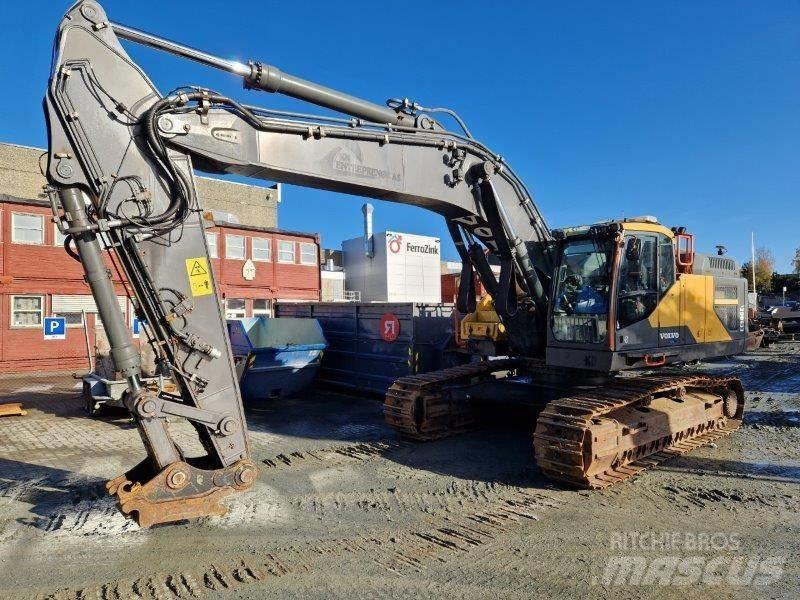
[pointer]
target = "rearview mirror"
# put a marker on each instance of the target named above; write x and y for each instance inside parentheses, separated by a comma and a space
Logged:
(633, 249)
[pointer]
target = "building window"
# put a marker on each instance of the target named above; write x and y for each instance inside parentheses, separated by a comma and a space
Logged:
(58, 237)
(103, 237)
(74, 319)
(72, 308)
(234, 247)
(285, 251)
(211, 240)
(262, 308)
(27, 229)
(27, 311)
(234, 308)
(308, 254)
(262, 249)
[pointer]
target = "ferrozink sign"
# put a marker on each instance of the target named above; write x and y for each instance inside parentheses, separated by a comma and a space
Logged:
(398, 243)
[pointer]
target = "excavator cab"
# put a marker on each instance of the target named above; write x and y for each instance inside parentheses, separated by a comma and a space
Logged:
(626, 296)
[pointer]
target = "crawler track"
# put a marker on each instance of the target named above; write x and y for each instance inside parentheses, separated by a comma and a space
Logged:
(418, 409)
(592, 438)
(607, 435)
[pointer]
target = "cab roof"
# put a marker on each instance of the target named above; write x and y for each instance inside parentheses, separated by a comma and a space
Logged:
(652, 226)
(642, 223)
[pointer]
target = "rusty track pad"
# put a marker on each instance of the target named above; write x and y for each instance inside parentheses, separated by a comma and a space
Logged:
(179, 491)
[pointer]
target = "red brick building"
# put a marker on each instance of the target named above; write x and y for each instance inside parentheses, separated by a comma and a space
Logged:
(254, 266)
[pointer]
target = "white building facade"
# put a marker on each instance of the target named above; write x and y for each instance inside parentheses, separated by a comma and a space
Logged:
(403, 267)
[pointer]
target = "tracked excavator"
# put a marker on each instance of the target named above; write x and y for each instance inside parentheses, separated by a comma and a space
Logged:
(595, 317)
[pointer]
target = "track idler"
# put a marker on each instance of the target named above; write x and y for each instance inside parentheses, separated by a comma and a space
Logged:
(179, 491)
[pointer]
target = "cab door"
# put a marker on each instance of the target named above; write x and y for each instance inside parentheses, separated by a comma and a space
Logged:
(669, 315)
(637, 292)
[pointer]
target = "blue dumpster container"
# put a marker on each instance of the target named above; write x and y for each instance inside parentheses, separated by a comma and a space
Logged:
(275, 357)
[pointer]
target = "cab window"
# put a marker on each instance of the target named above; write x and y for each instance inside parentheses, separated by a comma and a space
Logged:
(580, 312)
(638, 277)
(666, 264)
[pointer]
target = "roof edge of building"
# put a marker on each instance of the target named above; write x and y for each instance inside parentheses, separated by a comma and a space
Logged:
(8, 199)
(315, 236)
(25, 146)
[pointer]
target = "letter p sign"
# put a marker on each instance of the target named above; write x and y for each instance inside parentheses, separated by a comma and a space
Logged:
(55, 328)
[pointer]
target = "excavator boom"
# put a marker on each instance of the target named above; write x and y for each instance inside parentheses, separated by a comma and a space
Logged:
(120, 169)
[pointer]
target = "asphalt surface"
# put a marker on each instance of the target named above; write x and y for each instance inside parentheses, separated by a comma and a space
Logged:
(344, 508)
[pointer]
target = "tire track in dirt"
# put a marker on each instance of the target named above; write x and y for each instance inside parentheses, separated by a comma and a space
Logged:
(731, 498)
(180, 585)
(457, 497)
(336, 455)
(421, 547)
(412, 548)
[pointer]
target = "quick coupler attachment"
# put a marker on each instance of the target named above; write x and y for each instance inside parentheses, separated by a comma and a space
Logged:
(178, 492)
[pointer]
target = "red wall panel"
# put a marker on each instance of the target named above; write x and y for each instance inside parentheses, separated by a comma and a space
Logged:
(272, 279)
(46, 270)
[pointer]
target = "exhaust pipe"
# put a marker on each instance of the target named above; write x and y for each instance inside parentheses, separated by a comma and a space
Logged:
(369, 242)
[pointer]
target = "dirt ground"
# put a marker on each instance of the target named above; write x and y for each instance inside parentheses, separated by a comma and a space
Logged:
(344, 508)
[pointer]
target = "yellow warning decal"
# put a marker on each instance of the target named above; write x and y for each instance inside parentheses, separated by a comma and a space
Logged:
(199, 276)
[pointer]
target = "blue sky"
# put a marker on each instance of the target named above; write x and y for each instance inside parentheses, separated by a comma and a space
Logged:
(686, 110)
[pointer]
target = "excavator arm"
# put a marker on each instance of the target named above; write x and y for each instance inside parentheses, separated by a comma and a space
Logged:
(484, 205)
(121, 167)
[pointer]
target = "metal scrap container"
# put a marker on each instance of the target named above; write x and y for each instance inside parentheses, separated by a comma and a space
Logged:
(372, 344)
(275, 358)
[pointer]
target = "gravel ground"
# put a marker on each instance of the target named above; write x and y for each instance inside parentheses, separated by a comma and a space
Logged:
(344, 508)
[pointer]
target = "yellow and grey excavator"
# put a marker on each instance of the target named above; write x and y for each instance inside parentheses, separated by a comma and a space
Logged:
(578, 306)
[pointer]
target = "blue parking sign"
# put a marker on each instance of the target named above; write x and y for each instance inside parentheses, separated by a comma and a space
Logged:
(55, 328)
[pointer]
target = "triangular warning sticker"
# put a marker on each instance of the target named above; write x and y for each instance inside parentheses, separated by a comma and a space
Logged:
(197, 269)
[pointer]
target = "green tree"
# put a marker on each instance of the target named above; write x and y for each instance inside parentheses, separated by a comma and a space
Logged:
(765, 266)
(796, 262)
(791, 282)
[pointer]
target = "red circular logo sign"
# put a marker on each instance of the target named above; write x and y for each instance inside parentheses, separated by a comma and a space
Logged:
(390, 327)
(395, 243)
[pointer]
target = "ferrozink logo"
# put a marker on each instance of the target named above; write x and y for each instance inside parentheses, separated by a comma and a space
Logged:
(395, 242)
(422, 248)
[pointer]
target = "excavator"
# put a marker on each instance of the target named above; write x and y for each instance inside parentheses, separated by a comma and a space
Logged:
(597, 318)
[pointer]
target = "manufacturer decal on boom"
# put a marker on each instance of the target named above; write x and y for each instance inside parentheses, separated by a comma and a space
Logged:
(669, 335)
